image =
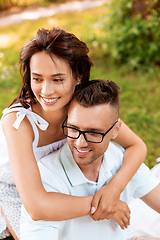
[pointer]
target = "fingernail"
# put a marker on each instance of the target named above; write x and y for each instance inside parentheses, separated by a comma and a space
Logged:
(93, 209)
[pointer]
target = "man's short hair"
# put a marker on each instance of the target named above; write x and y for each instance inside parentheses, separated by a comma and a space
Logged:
(98, 92)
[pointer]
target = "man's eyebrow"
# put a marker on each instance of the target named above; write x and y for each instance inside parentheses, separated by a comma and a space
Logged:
(87, 129)
(53, 75)
(72, 125)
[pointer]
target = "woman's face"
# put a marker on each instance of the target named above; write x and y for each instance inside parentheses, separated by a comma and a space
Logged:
(52, 81)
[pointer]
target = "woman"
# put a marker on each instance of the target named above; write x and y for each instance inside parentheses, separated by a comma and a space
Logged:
(53, 65)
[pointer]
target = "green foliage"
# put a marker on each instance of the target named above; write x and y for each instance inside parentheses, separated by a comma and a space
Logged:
(6, 4)
(140, 92)
(129, 39)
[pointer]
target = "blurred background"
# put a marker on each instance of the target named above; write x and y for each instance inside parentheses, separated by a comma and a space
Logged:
(124, 41)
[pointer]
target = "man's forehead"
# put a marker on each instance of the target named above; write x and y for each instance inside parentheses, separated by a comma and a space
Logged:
(74, 105)
(94, 117)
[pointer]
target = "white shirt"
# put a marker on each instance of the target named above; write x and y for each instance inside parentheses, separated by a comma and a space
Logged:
(60, 173)
(144, 220)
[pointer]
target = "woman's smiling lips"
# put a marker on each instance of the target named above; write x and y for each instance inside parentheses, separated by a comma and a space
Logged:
(49, 100)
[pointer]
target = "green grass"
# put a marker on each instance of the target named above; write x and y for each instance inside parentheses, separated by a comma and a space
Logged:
(140, 105)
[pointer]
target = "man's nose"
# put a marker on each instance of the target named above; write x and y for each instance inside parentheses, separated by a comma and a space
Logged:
(81, 141)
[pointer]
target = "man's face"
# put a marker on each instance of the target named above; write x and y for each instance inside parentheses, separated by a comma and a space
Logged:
(97, 119)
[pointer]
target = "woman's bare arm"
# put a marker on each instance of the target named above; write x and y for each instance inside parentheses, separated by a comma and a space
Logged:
(41, 205)
(107, 197)
(134, 156)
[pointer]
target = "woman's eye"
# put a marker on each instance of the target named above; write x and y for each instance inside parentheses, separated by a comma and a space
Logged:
(37, 79)
(58, 80)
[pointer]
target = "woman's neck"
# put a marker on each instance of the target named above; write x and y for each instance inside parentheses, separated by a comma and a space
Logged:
(52, 117)
(55, 119)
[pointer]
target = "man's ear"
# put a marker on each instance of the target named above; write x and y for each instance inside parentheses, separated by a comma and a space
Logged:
(116, 129)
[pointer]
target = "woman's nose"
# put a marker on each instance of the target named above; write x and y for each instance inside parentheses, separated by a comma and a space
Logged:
(47, 88)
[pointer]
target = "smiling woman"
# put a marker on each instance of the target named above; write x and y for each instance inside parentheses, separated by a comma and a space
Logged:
(52, 64)
(52, 81)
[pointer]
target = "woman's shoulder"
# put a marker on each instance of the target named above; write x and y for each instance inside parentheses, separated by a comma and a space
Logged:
(13, 118)
(16, 114)
(9, 113)
(16, 108)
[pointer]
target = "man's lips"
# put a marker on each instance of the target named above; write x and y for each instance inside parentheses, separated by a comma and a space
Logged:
(81, 152)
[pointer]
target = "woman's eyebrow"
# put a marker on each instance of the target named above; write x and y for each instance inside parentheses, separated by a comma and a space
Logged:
(53, 75)
(37, 74)
(58, 74)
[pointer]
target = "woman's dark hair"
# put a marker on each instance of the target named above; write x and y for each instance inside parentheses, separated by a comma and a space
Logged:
(60, 43)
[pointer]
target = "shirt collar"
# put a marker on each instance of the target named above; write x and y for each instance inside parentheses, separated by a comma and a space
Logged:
(113, 158)
(74, 173)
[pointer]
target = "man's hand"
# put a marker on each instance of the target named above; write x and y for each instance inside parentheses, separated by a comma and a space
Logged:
(122, 215)
(104, 203)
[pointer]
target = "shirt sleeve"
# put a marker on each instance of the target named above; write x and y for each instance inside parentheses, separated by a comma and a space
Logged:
(146, 181)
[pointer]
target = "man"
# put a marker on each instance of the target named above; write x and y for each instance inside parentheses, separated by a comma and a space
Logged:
(87, 162)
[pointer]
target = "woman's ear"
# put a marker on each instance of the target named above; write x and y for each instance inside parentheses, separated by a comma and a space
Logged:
(78, 81)
(116, 129)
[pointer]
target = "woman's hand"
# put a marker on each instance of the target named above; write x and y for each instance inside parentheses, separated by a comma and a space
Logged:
(105, 202)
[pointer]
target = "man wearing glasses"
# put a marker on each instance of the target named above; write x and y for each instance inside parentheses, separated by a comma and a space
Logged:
(86, 163)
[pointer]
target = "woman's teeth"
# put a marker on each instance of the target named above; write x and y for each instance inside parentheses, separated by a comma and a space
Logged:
(50, 100)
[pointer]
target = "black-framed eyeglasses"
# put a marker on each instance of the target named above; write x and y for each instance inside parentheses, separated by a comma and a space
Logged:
(90, 136)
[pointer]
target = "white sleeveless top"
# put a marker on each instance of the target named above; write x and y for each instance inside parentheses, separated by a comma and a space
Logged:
(36, 122)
